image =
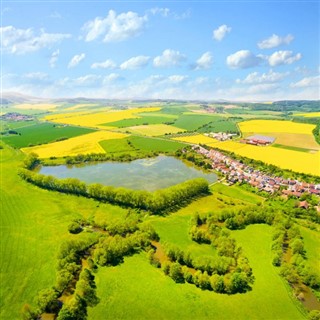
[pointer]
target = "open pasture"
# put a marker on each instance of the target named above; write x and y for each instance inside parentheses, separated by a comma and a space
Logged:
(6, 125)
(153, 130)
(220, 125)
(42, 133)
(116, 146)
(98, 119)
(311, 240)
(149, 294)
(85, 144)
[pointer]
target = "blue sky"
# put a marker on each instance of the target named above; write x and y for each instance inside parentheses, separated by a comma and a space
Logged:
(252, 50)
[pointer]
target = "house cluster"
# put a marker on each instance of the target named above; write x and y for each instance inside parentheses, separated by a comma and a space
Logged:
(258, 140)
(221, 136)
(14, 116)
(236, 171)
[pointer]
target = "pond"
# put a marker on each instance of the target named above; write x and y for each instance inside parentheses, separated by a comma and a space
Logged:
(143, 174)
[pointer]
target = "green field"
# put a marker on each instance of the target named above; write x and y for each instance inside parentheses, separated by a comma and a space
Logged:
(33, 225)
(144, 120)
(6, 125)
(116, 146)
(42, 133)
(193, 122)
(312, 245)
(136, 290)
(220, 125)
(154, 144)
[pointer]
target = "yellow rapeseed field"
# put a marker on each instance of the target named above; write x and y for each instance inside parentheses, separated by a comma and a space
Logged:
(87, 143)
(283, 158)
(265, 126)
(196, 139)
(99, 118)
(59, 116)
(81, 105)
(309, 115)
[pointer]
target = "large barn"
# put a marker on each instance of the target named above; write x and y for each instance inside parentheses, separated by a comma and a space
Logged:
(258, 140)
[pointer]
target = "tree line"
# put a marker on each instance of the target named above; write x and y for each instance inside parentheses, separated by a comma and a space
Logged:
(156, 202)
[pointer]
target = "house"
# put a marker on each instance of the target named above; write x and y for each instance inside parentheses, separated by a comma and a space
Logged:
(304, 204)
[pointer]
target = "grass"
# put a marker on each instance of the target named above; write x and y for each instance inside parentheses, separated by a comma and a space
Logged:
(144, 120)
(42, 133)
(6, 125)
(136, 290)
(276, 145)
(220, 125)
(88, 143)
(116, 146)
(33, 225)
(152, 130)
(193, 122)
(196, 139)
(237, 193)
(154, 144)
(312, 245)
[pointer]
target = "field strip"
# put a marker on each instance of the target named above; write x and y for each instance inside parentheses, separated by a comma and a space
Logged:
(85, 144)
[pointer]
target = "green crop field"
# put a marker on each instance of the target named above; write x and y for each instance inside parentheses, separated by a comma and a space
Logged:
(116, 146)
(144, 120)
(193, 122)
(220, 125)
(155, 144)
(43, 133)
(6, 125)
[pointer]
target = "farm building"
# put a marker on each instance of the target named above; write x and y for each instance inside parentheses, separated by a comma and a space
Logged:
(258, 140)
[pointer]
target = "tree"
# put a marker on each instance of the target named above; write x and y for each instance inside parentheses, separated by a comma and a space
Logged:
(217, 283)
(176, 272)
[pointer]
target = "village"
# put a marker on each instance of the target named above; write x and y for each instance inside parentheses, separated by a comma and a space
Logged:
(235, 171)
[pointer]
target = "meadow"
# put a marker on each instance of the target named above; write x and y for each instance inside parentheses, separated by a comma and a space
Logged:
(152, 130)
(193, 122)
(41, 133)
(85, 144)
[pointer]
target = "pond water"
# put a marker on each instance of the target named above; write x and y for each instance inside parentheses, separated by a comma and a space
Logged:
(143, 174)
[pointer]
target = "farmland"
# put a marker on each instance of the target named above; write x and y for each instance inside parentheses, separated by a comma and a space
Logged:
(35, 224)
(152, 130)
(88, 143)
(42, 133)
(99, 118)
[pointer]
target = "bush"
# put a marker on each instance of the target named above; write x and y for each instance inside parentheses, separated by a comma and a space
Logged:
(74, 227)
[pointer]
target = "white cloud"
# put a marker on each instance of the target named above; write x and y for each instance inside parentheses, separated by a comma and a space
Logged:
(283, 57)
(108, 64)
(262, 88)
(41, 76)
(20, 41)
(275, 41)
(243, 59)
(220, 33)
(112, 77)
(164, 12)
(135, 63)
(204, 62)
(307, 82)
(169, 58)
(176, 79)
(256, 77)
(87, 80)
(55, 15)
(115, 28)
(76, 60)
(54, 58)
